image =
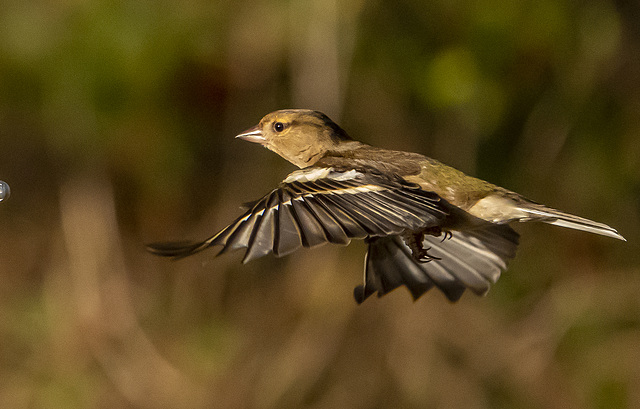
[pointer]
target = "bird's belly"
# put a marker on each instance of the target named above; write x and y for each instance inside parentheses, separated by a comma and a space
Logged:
(496, 209)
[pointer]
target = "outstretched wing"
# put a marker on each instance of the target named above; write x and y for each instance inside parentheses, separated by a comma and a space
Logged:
(470, 259)
(322, 205)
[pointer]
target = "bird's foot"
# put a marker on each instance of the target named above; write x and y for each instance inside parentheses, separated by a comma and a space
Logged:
(437, 231)
(434, 231)
(415, 242)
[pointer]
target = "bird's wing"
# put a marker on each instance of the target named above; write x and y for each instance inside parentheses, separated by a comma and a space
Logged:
(470, 259)
(322, 205)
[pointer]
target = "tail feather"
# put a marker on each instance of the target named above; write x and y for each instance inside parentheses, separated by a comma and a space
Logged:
(545, 214)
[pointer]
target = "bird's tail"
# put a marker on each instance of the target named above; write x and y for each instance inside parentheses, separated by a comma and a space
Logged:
(537, 212)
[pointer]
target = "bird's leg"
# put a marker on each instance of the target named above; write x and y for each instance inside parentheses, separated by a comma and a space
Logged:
(437, 231)
(433, 230)
(414, 240)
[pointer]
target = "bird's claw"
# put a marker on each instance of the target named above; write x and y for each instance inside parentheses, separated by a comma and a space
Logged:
(447, 236)
(423, 256)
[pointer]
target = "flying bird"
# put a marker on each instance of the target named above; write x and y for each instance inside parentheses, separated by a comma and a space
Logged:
(426, 224)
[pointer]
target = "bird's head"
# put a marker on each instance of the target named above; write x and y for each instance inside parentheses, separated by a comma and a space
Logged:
(301, 136)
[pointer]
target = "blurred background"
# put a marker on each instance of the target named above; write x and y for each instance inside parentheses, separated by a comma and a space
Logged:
(116, 129)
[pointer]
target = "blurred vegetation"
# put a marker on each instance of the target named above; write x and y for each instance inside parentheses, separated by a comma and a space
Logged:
(116, 128)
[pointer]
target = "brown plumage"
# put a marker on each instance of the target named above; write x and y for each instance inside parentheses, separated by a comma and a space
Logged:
(426, 224)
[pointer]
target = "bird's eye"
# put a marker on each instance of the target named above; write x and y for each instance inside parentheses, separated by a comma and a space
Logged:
(278, 127)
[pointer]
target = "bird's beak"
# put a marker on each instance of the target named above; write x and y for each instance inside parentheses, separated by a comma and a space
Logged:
(252, 135)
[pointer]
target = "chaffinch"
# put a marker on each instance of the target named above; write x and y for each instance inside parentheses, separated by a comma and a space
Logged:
(426, 224)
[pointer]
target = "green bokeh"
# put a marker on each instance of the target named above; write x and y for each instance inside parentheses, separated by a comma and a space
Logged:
(116, 128)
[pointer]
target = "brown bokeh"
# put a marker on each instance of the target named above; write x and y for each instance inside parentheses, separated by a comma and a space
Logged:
(116, 128)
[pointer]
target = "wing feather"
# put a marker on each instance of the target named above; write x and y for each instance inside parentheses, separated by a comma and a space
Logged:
(333, 229)
(471, 259)
(240, 235)
(288, 238)
(264, 231)
(358, 210)
(351, 227)
(311, 231)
